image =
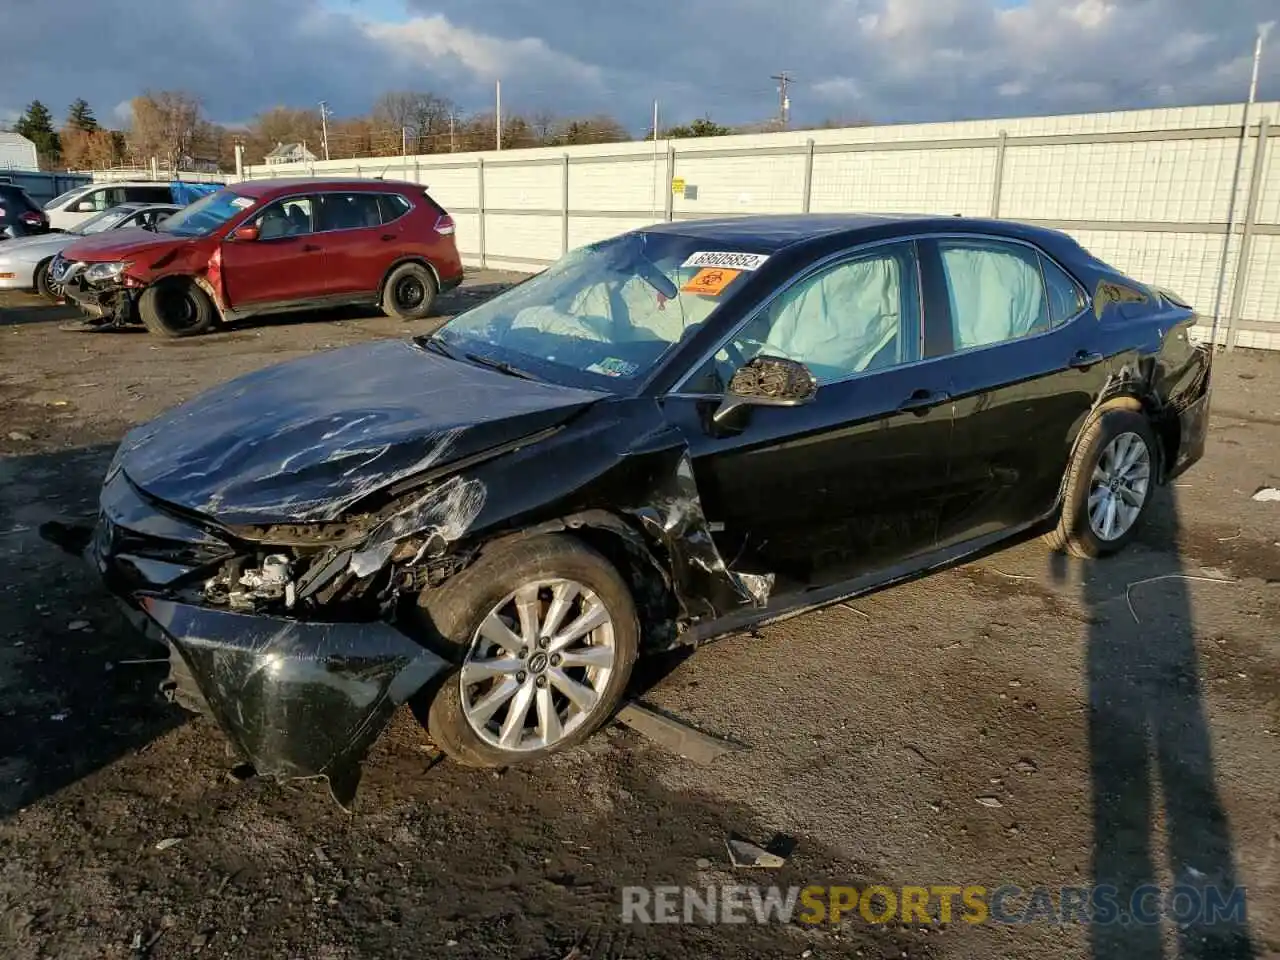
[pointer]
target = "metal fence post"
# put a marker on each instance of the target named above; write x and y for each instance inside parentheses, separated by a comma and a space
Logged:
(998, 185)
(671, 176)
(564, 208)
(358, 171)
(480, 206)
(808, 174)
(417, 172)
(1241, 281)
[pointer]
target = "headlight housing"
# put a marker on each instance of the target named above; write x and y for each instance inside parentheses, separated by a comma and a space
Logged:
(103, 272)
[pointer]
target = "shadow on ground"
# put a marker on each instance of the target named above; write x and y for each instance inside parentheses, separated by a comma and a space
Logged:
(1157, 814)
(70, 699)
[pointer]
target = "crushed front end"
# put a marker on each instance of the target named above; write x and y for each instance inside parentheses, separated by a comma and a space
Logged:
(285, 649)
(102, 291)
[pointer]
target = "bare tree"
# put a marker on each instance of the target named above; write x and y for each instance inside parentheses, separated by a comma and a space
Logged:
(422, 117)
(283, 125)
(165, 124)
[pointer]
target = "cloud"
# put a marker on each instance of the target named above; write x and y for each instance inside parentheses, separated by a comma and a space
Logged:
(884, 60)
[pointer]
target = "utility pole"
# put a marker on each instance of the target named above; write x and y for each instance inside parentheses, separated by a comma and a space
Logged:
(451, 140)
(784, 102)
(498, 115)
(404, 141)
(1263, 30)
(324, 127)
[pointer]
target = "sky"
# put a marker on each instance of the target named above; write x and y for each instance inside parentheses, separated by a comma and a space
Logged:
(878, 60)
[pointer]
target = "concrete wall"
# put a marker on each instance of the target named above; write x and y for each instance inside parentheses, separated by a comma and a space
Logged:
(1149, 191)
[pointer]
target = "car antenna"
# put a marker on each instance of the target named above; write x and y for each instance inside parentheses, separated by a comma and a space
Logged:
(383, 174)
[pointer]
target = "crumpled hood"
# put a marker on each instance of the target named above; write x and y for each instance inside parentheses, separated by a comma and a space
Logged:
(124, 244)
(304, 440)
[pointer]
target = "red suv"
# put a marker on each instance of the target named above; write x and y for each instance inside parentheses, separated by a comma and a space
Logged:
(267, 246)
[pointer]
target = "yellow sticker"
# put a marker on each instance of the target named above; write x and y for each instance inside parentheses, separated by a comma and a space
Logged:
(710, 281)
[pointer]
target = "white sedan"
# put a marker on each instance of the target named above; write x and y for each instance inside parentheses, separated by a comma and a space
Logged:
(24, 262)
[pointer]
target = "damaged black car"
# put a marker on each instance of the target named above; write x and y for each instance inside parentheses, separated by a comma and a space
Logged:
(675, 434)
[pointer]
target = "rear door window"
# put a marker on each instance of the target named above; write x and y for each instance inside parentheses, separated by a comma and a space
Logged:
(393, 206)
(349, 211)
(148, 194)
(996, 291)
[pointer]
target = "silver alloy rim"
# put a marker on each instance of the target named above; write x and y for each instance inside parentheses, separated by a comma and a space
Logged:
(538, 666)
(1119, 488)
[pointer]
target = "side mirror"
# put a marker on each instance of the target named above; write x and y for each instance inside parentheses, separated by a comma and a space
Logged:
(248, 233)
(767, 382)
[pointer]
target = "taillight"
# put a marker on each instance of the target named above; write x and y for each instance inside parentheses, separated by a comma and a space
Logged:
(445, 225)
(32, 218)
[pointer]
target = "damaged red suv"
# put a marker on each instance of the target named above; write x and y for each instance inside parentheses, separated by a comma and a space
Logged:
(270, 246)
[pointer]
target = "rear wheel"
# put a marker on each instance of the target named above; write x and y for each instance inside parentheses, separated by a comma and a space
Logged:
(1108, 485)
(409, 292)
(546, 633)
(176, 308)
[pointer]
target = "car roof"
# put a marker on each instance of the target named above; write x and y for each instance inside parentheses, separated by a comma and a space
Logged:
(266, 188)
(772, 233)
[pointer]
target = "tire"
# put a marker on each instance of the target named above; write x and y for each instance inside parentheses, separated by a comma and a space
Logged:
(41, 280)
(1078, 533)
(455, 612)
(176, 308)
(409, 292)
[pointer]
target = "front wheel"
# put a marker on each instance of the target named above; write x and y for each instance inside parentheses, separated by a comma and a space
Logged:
(546, 633)
(410, 292)
(1108, 485)
(176, 308)
(44, 283)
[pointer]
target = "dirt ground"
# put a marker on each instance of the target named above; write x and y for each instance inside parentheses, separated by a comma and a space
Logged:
(1113, 733)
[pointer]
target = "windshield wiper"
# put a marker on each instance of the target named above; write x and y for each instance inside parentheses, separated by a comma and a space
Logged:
(499, 365)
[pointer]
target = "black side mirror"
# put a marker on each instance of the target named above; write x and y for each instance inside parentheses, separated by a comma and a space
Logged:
(767, 382)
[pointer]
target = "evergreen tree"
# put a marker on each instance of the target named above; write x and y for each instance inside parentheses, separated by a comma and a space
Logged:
(80, 117)
(37, 126)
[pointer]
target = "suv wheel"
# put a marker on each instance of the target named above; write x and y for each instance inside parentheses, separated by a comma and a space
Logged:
(409, 292)
(176, 308)
(546, 633)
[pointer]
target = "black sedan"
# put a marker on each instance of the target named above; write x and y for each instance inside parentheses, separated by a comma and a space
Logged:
(666, 436)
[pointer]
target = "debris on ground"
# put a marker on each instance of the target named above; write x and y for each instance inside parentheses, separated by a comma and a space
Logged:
(1128, 591)
(79, 625)
(989, 801)
(1267, 495)
(744, 853)
(1026, 766)
(676, 736)
(168, 842)
(19, 436)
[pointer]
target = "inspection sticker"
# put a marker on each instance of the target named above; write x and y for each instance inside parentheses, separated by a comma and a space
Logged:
(733, 261)
(242, 203)
(710, 281)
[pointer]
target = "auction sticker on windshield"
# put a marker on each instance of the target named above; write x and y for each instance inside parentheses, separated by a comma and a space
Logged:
(710, 281)
(242, 203)
(727, 259)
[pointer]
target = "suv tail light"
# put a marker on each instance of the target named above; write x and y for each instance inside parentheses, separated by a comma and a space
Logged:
(445, 225)
(32, 218)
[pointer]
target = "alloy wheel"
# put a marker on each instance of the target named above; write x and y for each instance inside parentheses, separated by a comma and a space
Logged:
(1121, 482)
(538, 666)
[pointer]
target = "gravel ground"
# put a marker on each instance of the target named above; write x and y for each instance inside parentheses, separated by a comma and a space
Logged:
(1018, 719)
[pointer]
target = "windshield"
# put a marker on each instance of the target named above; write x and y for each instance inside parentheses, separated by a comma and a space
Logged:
(104, 220)
(207, 214)
(64, 197)
(603, 316)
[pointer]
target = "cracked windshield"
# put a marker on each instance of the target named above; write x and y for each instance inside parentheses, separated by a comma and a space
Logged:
(605, 313)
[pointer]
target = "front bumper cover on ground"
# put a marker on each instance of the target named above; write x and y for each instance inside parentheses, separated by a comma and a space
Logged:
(296, 699)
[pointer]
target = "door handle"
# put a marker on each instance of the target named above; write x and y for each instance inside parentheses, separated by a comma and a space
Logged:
(1083, 360)
(922, 401)
(388, 236)
(310, 247)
